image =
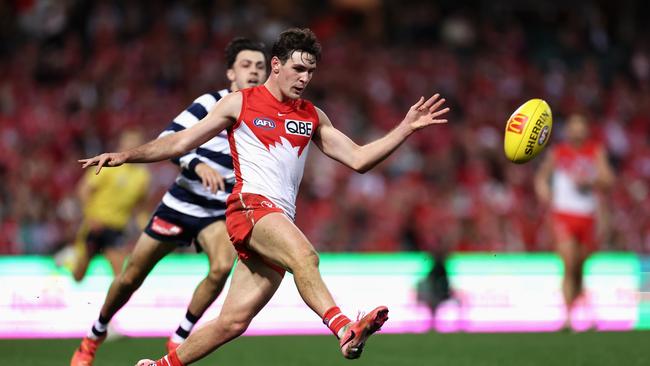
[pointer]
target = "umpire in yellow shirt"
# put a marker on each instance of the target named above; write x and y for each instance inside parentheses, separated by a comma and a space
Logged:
(109, 201)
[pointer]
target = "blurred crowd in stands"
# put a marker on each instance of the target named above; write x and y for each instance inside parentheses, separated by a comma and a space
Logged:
(74, 73)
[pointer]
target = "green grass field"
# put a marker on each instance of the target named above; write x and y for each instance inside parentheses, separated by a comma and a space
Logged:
(629, 349)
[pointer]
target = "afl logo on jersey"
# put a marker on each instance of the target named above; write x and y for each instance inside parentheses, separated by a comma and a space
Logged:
(300, 128)
(264, 123)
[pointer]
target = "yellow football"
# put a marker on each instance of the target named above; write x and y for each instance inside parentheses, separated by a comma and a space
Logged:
(528, 131)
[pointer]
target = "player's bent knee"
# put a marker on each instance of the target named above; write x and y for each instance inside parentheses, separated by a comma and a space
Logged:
(235, 328)
(78, 277)
(305, 259)
(223, 263)
(219, 273)
(311, 258)
(129, 282)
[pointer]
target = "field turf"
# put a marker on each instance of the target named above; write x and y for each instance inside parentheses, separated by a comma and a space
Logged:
(590, 348)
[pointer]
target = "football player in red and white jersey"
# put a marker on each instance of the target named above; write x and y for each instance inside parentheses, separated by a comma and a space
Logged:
(192, 211)
(269, 129)
(569, 180)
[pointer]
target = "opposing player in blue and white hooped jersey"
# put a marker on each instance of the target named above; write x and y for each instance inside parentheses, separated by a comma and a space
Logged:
(205, 181)
(191, 212)
(196, 192)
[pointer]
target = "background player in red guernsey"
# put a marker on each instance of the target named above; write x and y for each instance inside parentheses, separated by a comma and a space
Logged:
(569, 180)
(269, 129)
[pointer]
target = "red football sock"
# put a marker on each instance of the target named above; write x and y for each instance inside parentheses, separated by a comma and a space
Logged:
(335, 320)
(170, 360)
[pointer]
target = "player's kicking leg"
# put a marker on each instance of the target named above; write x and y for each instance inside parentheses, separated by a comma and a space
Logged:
(146, 254)
(253, 284)
(221, 254)
(276, 238)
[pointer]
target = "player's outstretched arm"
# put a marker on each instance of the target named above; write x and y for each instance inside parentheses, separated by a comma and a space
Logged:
(220, 117)
(193, 161)
(338, 146)
(184, 120)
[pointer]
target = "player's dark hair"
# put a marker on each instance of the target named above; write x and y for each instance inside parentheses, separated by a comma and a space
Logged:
(241, 44)
(296, 39)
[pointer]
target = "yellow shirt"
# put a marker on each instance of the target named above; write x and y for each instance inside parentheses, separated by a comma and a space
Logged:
(115, 193)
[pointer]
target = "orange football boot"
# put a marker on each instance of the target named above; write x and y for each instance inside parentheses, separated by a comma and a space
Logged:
(356, 334)
(85, 354)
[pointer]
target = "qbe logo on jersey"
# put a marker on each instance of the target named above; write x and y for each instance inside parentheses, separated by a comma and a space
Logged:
(299, 128)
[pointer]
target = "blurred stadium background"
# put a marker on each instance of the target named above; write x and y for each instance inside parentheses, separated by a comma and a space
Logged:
(74, 74)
